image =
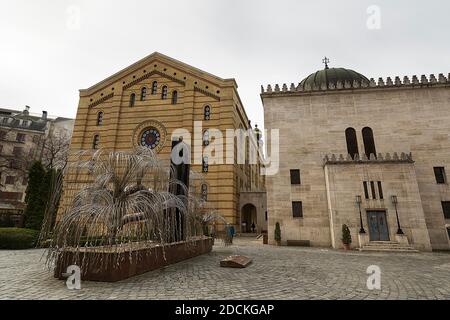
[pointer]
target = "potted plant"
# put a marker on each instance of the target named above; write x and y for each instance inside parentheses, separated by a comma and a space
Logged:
(278, 234)
(346, 237)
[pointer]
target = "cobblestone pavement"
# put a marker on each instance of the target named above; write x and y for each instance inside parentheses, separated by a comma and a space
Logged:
(276, 273)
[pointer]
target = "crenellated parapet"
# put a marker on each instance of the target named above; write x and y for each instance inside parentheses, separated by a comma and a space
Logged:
(357, 159)
(397, 82)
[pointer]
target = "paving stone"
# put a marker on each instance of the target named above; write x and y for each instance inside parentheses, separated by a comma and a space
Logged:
(276, 273)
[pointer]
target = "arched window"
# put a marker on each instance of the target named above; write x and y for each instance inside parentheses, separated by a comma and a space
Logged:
(205, 164)
(100, 118)
(154, 87)
(206, 138)
(352, 142)
(143, 93)
(207, 113)
(174, 97)
(164, 93)
(96, 142)
(132, 100)
(204, 192)
(369, 142)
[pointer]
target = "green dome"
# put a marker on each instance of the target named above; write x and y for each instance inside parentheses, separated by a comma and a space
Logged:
(332, 75)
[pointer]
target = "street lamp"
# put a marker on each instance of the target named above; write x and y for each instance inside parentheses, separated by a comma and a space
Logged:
(395, 202)
(358, 201)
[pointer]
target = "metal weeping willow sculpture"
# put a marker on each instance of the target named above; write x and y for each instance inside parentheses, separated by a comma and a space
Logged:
(125, 202)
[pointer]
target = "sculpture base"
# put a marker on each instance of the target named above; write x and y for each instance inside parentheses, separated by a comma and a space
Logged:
(104, 266)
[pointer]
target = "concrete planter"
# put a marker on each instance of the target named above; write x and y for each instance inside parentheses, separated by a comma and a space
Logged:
(116, 266)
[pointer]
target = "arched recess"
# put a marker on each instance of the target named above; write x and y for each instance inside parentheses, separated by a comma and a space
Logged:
(352, 142)
(249, 218)
(369, 142)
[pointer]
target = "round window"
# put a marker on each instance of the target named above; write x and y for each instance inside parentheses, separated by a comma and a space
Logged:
(151, 138)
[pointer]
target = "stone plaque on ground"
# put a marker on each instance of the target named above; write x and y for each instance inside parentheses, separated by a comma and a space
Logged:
(236, 262)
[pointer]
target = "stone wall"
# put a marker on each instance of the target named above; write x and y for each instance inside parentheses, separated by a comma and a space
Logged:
(344, 182)
(312, 124)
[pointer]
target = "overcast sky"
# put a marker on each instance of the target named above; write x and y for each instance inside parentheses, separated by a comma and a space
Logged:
(47, 53)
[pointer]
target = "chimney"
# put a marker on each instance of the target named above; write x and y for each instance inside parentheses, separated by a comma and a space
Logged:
(44, 115)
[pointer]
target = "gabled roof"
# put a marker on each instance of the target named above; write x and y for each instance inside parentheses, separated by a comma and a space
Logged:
(156, 56)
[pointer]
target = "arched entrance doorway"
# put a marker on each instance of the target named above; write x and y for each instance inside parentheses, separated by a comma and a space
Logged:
(249, 219)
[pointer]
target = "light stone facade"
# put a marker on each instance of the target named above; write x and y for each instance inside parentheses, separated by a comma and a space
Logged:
(23, 137)
(409, 116)
(123, 123)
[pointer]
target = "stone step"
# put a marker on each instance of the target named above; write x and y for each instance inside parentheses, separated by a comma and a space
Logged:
(406, 250)
(386, 246)
(389, 247)
(248, 235)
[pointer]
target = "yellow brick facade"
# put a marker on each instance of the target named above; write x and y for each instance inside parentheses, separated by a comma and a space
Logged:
(122, 124)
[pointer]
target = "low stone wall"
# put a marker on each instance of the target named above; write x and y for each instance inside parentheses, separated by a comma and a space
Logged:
(112, 267)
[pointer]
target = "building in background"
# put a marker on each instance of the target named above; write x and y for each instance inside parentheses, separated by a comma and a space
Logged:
(25, 138)
(144, 104)
(373, 155)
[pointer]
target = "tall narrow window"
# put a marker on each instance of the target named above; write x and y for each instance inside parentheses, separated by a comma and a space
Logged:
(164, 93)
(380, 190)
(17, 151)
(446, 209)
(143, 93)
(297, 209)
(204, 192)
(100, 118)
(96, 142)
(439, 173)
(20, 137)
(366, 190)
(372, 187)
(352, 142)
(154, 87)
(205, 164)
(175, 97)
(295, 177)
(132, 99)
(10, 180)
(369, 142)
(207, 113)
(206, 138)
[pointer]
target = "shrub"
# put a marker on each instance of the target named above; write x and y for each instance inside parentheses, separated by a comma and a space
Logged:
(277, 232)
(346, 235)
(16, 238)
(35, 200)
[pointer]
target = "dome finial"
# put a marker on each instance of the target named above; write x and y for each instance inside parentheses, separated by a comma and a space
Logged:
(326, 61)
